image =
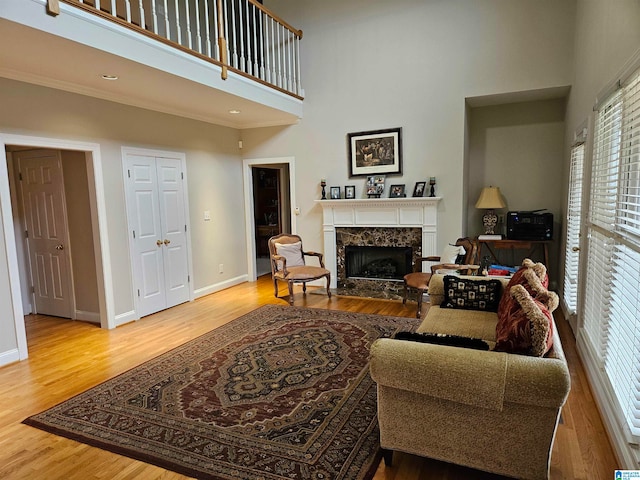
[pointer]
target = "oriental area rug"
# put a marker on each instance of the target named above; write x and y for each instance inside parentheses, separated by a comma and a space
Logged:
(279, 393)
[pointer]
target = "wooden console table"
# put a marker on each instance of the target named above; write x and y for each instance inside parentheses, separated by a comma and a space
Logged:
(530, 246)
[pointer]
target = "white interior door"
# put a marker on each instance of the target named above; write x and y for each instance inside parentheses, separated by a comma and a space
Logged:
(43, 204)
(155, 202)
(172, 220)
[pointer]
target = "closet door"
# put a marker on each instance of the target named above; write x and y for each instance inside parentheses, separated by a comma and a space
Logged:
(155, 202)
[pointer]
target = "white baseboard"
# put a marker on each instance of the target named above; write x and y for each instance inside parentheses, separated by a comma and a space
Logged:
(626, 454)
(93, 317)
(126, 317)
(216, 287)
(10, 356)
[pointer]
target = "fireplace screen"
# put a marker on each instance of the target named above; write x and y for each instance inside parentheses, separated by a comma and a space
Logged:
(384, 263)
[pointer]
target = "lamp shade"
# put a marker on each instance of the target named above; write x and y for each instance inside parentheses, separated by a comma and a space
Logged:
(490, 198)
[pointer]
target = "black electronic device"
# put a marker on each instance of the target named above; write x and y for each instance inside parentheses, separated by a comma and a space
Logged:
(531, 225)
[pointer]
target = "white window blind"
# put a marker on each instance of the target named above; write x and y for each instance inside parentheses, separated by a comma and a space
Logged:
(611, 320)
(628, 215)
(574, 211)
(606, 155)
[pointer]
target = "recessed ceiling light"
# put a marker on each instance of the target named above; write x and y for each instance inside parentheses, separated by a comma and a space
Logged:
(109, 77)
(234, 112)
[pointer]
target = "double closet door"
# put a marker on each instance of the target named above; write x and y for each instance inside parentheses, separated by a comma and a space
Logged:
(158, 229)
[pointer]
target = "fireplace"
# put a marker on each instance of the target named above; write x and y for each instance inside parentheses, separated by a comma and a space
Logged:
(409, 223)
(377, 263)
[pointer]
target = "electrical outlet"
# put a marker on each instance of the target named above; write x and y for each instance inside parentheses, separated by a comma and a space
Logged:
(500, 218)
(221, 268)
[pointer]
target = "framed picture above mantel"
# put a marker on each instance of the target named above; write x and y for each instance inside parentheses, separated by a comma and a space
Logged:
(375, 152)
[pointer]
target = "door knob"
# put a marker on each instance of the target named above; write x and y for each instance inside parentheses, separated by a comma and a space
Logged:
(167, 241)
(159, 243)
(575, 249)
(60, 247)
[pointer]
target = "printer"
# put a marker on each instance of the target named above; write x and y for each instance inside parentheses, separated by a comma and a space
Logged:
(530, 225)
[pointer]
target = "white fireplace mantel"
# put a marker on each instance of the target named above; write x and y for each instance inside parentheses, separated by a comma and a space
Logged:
(380, 212)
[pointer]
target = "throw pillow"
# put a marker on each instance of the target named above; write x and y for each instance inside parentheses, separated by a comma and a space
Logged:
(292, 252)
(451, 253)
(442, 339)
(532, 275)
(525, 330)
(470, 294)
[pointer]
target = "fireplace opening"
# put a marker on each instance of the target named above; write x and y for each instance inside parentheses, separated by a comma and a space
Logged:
(383, 263)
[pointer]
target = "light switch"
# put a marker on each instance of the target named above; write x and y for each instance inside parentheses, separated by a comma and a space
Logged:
(297, 210)
(207, 215)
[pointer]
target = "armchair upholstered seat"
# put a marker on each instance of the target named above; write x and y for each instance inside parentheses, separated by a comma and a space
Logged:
(288, 264)
(419, 280)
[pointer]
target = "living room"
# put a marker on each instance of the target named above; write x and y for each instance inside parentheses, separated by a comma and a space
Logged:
(451, 74)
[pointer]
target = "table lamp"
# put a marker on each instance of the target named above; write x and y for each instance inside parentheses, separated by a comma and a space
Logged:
(490, 198)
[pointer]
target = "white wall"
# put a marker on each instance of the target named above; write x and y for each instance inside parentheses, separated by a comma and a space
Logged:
(214, 173)
(377, 64)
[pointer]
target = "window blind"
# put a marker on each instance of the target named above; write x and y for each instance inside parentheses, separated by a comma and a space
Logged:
(611, 320)
(574, 211)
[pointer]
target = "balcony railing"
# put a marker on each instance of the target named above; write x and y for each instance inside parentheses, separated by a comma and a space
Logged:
(240, 36)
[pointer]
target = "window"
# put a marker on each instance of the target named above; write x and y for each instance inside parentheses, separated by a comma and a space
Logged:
(574, 210)
(611, 324)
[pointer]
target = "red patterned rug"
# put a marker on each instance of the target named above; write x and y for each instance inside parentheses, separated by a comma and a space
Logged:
(279, 393)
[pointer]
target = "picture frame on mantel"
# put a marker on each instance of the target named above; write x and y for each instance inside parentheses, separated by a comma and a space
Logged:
(375, 152)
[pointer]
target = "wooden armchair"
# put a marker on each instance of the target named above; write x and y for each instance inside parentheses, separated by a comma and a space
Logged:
(419, 280)
(288, 264)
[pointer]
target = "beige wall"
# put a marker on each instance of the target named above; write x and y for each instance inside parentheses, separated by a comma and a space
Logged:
(83, 261)
(518, 147)
(377, 64)
(214, 173)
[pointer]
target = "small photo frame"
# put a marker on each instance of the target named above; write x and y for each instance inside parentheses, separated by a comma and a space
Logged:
(335, 193)
(418, 190)
(350, 191)
(375, 185)
(396, 191)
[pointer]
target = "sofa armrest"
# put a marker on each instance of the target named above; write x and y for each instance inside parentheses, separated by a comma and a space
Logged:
(473, 377)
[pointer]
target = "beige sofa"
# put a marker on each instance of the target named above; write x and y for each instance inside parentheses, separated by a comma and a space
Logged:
(488, 410)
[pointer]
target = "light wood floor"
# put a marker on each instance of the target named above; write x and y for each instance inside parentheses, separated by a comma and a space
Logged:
(66, 358)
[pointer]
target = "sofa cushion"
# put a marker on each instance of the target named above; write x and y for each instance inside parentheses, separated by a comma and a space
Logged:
(443, 339)
(527, 328)
(471, 294)
(533, 276)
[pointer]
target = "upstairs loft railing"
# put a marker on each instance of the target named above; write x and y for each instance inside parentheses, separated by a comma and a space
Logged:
(238, 35)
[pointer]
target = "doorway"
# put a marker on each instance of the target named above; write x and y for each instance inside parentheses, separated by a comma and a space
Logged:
(269, 186)
(50, 201)
(90, 152)
(271, 208)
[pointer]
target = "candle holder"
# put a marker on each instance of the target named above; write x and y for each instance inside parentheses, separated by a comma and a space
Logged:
(432, 182)
(323, 184)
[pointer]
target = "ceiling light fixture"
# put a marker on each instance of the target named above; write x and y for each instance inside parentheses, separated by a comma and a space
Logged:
(234, 112)
(106, 76)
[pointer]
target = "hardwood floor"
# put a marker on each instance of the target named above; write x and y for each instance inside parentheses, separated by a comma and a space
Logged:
(66, 358)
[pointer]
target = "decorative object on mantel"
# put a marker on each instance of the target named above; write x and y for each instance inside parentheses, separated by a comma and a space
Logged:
(432, 182)
(323, 184)
(350, 191)
(418, 190)
(375, 152)
(335, 193)
(490, 198)
(375, 186)
(397, 191)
